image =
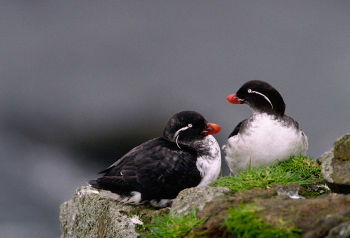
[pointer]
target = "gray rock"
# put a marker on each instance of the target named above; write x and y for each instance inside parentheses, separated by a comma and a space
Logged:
(92, 213)
(315, 217)
(196, 198)
(326, 165)
(342, 148)
(336, 165)
(340, 231)
(291, 191)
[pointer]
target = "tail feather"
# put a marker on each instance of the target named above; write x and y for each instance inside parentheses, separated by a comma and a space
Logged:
(114, 184)
(94, 184)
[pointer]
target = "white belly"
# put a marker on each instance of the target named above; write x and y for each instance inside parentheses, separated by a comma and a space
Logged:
(209, 165)
(264, 142)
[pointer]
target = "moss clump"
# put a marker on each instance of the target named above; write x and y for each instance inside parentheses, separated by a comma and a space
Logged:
(244, 222)
(172, 226)
(315, 190)
(297, 170)
(146, 213)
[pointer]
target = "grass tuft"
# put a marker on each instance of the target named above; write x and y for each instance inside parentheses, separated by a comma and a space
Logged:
(244, 222)
(300, 170)
(172, 226)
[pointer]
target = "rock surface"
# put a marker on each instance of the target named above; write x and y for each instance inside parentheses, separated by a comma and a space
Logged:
(336, 165)
(95, 214)
(315, 217)
(197, 198)
(340, 231)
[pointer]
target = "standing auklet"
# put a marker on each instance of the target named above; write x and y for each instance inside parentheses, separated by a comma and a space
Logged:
(187, 155)
(268, 135)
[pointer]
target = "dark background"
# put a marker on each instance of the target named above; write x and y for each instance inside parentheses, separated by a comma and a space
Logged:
(82, 82)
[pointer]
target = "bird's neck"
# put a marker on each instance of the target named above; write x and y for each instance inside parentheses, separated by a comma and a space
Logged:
(203, 146)
(256, 111)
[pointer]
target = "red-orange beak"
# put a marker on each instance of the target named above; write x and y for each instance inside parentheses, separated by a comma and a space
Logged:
(234, 99)
(211, 129)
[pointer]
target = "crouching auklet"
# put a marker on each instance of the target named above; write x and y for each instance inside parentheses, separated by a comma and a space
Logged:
(268, 135)
(156, 171)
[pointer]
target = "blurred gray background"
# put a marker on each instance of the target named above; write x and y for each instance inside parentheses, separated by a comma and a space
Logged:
(82, 82)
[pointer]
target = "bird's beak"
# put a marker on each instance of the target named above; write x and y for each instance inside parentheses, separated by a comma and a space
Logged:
(211, 129)
(232, 98)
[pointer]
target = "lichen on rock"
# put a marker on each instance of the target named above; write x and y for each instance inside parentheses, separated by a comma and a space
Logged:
(197, 198)
(342, 148)
(93, 213)
(314, 217)
(326, 165)
(336, 165)
(340, 231)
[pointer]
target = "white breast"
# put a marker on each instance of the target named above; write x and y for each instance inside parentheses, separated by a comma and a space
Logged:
(264, 141)
(209, 163)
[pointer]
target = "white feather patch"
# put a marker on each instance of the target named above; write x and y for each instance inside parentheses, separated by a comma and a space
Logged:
(134, 198)
(161, 202)
(209, 165)
(264, 141)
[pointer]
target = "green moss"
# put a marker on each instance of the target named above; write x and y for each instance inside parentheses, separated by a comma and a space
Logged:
(146, 216)
(244, 222)
(298, 170)
(172, 226)
(315, 191)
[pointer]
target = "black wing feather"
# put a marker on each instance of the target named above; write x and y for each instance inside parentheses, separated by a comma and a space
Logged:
(157, 168)
(237, 128)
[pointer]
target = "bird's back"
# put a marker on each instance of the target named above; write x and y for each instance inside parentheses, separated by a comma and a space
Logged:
(157, 169)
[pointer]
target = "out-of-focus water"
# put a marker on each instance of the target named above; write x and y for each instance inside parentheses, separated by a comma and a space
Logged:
(81, 82)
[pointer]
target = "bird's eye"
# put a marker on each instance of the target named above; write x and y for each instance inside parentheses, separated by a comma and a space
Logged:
(189, 125)
(249, 90)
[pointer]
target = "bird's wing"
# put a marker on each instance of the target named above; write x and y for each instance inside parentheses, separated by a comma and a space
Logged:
(158, 169)
(237, 128)
(124, 159)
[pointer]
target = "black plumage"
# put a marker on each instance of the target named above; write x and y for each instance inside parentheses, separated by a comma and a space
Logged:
(160, 168)
(151, 168)
(237, 129)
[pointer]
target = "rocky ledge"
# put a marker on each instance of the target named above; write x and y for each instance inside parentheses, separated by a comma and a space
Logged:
(336, 165)
(281, 210)
(94, 213)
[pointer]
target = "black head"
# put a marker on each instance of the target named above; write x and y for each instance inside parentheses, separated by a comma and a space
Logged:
(188, 126)
(260, 96)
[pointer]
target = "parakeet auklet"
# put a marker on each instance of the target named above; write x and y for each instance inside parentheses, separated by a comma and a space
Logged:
(187, 155)
(268, 135)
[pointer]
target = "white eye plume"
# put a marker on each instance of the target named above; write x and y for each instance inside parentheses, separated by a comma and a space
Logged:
(177, 133)
(261, 94)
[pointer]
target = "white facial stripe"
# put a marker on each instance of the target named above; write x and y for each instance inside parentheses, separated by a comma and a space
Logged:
(181, 129)
(266, 98)
(176, 135)
(177, 143)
